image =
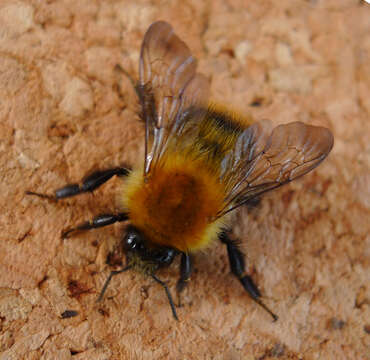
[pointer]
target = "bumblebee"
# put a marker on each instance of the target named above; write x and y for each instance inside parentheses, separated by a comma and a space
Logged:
(201, 162)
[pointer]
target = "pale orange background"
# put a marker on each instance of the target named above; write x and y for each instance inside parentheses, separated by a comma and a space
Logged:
(65, 111)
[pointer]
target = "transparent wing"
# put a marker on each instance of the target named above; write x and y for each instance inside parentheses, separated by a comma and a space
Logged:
(263, 160)
(168, 85)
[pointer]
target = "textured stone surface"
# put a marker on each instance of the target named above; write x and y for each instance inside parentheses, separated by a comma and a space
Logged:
(64, 110)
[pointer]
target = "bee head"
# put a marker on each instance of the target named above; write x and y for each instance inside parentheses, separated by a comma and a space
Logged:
(139, 250)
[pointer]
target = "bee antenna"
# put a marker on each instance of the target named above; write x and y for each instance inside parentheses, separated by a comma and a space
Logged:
(169, 297)
(100, 298)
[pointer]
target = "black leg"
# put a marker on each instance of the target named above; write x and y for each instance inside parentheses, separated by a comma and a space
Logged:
(97, 222)
(89, 183)
(186, 267)
(169, 297)
(237, 265)
(100, 298)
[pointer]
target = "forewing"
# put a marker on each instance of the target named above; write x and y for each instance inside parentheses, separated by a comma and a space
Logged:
(168, 85)
(263, 160)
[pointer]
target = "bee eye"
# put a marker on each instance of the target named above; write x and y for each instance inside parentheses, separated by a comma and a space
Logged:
(164, 256)
(133, 240)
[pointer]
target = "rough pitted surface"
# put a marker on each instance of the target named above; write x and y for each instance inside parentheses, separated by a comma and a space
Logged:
(65, 110)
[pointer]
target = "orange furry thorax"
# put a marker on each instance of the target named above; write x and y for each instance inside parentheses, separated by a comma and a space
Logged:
(177, 204)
